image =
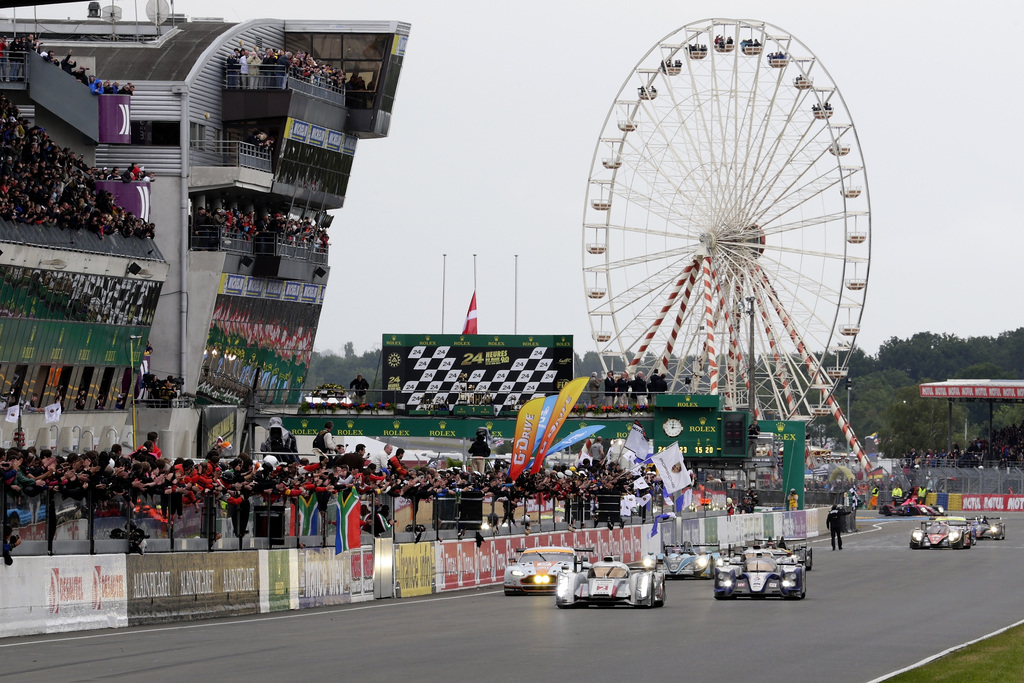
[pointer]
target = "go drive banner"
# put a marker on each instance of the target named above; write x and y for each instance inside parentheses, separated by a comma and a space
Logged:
(165, 587)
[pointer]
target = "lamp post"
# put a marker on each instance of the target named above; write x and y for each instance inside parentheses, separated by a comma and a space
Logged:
(849, 389)
(750, 359)
(131, 342)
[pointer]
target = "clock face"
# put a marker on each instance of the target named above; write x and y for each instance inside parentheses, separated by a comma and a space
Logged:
(672, 427)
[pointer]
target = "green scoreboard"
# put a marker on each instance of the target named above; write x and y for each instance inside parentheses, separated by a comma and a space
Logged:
(700, 427)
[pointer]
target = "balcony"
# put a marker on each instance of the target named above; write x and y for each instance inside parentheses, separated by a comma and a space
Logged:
(213, 238)
(225, 153)
(229, 163)
(279, 78)
(14, 71)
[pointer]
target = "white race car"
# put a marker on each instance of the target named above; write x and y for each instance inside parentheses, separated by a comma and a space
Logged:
(534, 570)
(611, 582)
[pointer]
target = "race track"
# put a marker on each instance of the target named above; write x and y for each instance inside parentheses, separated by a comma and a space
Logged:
(872, 608)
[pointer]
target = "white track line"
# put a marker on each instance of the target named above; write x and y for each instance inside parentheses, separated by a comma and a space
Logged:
(943, 653)
(826, 536)
(298, 614)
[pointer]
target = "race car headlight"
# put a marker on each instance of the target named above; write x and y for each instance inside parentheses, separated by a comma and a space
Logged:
(954, 535)
(543, 578)
(518, 572)
(720, 562)
(917, 535)
(562, 587)
(726, 582)
(993, 528)
(649, 562)
(643, 585)
(789, 580)
(702, 561)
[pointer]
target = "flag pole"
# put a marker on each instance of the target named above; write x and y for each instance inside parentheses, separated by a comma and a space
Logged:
(474, 273)
(515, 304)
(444, 275)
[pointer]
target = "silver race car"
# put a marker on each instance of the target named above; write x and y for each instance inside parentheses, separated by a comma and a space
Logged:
(686, 560)
(989, 527)
(611, 582)
(534, 570)
(759, 572)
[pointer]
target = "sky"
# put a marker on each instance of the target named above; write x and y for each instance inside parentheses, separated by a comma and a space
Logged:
(497, 117)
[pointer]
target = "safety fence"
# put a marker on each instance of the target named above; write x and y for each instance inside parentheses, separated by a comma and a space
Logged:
(96, 521)
(49, 594)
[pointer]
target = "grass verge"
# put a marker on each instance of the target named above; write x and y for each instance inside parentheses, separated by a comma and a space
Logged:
(997, 659)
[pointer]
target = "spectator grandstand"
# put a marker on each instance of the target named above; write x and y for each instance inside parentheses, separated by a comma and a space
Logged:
(45, 185)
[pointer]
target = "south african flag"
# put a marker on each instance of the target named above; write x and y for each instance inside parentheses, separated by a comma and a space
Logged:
(346, 535)
(309, 516)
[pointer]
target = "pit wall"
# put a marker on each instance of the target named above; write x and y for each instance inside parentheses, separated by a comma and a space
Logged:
(80, 592)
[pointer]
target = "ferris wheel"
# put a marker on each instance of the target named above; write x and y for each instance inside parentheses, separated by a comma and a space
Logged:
(727, 224)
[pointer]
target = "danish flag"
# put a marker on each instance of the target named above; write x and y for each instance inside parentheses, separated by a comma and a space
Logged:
(470, 327)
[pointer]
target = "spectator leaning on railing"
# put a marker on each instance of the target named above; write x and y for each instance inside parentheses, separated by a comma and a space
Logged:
(146, 480)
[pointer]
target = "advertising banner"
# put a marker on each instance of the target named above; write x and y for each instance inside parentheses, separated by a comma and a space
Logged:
(277, 589)
(361, 565)
(711, 530)
(115, 120)
(991, 503)
(134, 197)
(461, 564)
(192, 586)
(414, 569)
(689, 530)
(63, 593)
(326, 578)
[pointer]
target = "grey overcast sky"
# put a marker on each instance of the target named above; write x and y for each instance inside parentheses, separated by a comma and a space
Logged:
(498, 113)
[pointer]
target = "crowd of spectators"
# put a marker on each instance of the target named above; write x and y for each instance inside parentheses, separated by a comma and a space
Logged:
(147, 478)
(270, 68)
(1007, 451)
(46, 185)
(247, 224)
(12, 65)
(12, 56)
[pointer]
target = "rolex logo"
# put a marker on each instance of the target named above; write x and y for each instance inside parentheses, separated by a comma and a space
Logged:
(350, 424)
(305, 423)
(489, 425)
(442, 424)
(396, 424)
(780, 427)
(703, 420)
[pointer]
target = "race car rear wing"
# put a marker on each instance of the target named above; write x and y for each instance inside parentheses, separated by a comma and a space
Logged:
(580, 558)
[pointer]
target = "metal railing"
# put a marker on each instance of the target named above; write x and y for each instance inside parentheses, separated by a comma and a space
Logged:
(210, 238)
(460, 401)
(13, 67)
(227, 153)
(96, 520)
(278, 77)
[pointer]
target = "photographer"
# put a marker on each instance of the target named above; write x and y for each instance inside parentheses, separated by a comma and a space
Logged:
(281, 442)
(11, 541)
(479, 447)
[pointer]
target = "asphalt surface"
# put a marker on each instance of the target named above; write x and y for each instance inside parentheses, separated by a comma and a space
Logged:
(872, 608)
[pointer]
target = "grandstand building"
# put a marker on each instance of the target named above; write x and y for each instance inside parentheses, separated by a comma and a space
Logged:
(217, 312)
